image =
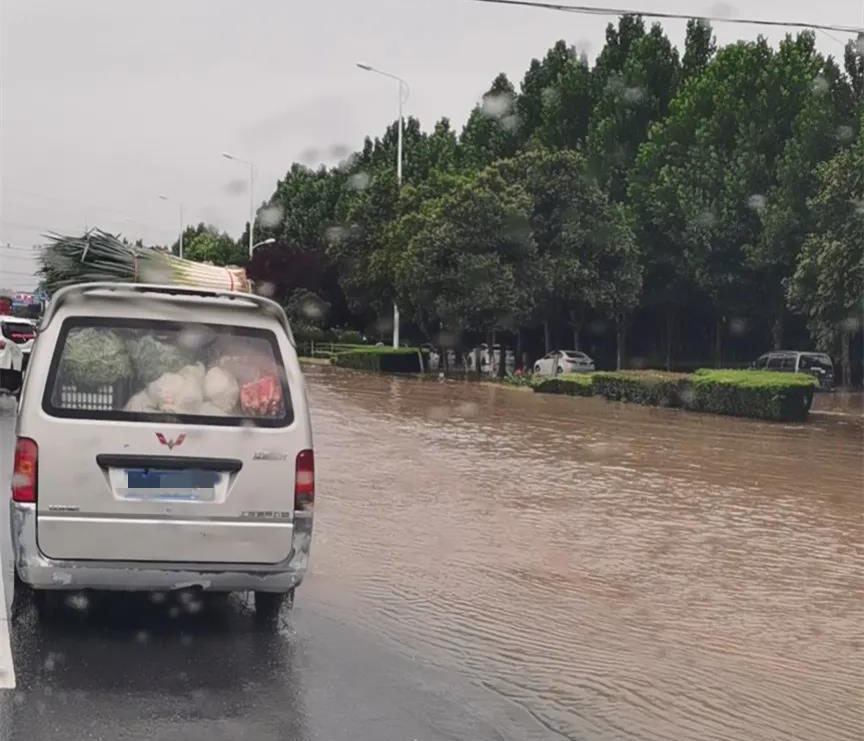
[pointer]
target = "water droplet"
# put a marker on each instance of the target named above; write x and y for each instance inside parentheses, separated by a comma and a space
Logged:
(819, 85)
(845, 134)
(468, 409)
(237, 187)
(79, 602)
(737, 326)
(335, 234)
(271, 216)
(359, 181)
(497, 105)
(757, 202)
(265, 288)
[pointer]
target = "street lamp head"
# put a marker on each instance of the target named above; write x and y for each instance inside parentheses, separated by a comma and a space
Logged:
(228, 156)
(271, 240)
(164, 197)
(364, 66)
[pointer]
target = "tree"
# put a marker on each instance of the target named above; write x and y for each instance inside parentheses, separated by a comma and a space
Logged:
(203, 243)
(539, 82)
(567, 105)
(631, 100)
(356, 245)
(463, 256)
(699, 48)
(298, 215)
(818, 109)
(581, 241)
(491, 130)
(827, 286)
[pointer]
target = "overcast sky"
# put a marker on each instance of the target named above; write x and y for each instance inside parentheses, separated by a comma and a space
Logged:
(108, 103)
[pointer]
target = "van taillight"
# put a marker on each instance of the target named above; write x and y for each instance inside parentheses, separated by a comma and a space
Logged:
(304, 481)
(24, 473)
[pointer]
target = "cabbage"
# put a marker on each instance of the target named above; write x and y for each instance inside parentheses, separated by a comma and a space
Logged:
(151, 357)
(94, 357)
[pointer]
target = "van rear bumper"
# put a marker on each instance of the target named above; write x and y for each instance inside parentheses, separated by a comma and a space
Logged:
(41, 572)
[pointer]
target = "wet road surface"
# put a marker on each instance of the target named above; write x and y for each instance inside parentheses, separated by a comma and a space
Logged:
(490, 563)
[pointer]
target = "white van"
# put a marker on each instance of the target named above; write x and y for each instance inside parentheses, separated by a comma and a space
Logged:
(163, 443)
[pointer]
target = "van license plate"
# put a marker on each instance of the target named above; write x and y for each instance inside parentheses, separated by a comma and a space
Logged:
(188, 485)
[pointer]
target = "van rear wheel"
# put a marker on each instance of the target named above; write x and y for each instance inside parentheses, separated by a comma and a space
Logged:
(268, 605)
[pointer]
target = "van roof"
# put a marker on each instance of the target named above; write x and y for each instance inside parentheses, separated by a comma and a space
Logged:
(206, 295)
(788, 353)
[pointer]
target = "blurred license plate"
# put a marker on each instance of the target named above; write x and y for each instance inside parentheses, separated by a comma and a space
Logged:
(189, 485)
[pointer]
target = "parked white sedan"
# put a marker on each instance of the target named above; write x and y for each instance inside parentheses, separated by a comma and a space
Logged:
(563, 361)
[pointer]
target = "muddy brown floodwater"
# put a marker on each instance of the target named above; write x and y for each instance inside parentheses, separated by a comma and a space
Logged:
(620, 572)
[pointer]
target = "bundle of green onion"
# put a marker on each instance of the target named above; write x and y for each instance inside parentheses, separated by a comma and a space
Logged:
(100, 256)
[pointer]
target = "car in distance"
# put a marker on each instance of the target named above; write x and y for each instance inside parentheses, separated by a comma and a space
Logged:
(16, 340)
(817, 364)
(563, 361)
(163, 443)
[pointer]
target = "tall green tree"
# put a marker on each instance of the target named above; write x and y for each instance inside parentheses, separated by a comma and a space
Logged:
(631, 100)
(538, 84)
(827, 286)
(585, 247)
(491, 131)
(817, 110)
(463, 256)
(699, 48)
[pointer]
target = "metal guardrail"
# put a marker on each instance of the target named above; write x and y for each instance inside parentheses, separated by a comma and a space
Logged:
(313, 349)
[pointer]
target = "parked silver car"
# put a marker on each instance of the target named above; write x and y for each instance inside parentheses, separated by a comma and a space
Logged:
(563, 361)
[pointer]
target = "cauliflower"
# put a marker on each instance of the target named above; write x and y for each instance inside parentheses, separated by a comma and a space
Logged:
(221, 389)
(193, 372)
(140, 402)
(174, 392)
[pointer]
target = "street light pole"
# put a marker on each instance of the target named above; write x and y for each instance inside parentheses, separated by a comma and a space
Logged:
(271, 240)
(404, 91)
(229, 156)
(166, 198)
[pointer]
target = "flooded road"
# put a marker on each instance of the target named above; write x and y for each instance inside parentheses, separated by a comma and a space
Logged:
(619, 572)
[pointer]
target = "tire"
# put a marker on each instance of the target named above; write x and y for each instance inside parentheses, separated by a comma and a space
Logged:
(268, 605)
(559, 371)
(537, 369)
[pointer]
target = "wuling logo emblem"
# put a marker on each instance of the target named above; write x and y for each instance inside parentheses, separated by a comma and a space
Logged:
(171, 444)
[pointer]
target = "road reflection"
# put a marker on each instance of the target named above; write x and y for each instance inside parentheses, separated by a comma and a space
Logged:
(170, 668)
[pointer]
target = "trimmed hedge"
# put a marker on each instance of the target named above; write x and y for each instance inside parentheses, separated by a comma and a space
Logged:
(655, 388)
(381, 359)
(743, 393)
(778, 396)
(572, 384)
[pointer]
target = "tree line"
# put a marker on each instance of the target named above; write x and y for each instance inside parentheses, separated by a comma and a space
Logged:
(656, 208)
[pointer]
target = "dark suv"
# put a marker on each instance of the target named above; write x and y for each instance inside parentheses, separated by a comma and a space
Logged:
(817, 364)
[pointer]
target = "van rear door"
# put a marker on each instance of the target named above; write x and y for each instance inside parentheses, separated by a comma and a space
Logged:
(169, 442)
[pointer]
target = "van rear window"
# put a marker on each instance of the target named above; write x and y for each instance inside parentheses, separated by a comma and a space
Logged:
(140, 370)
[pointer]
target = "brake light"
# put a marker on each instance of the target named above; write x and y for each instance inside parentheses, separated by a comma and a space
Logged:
(304, 481)
(24, 472)
(2, 344)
